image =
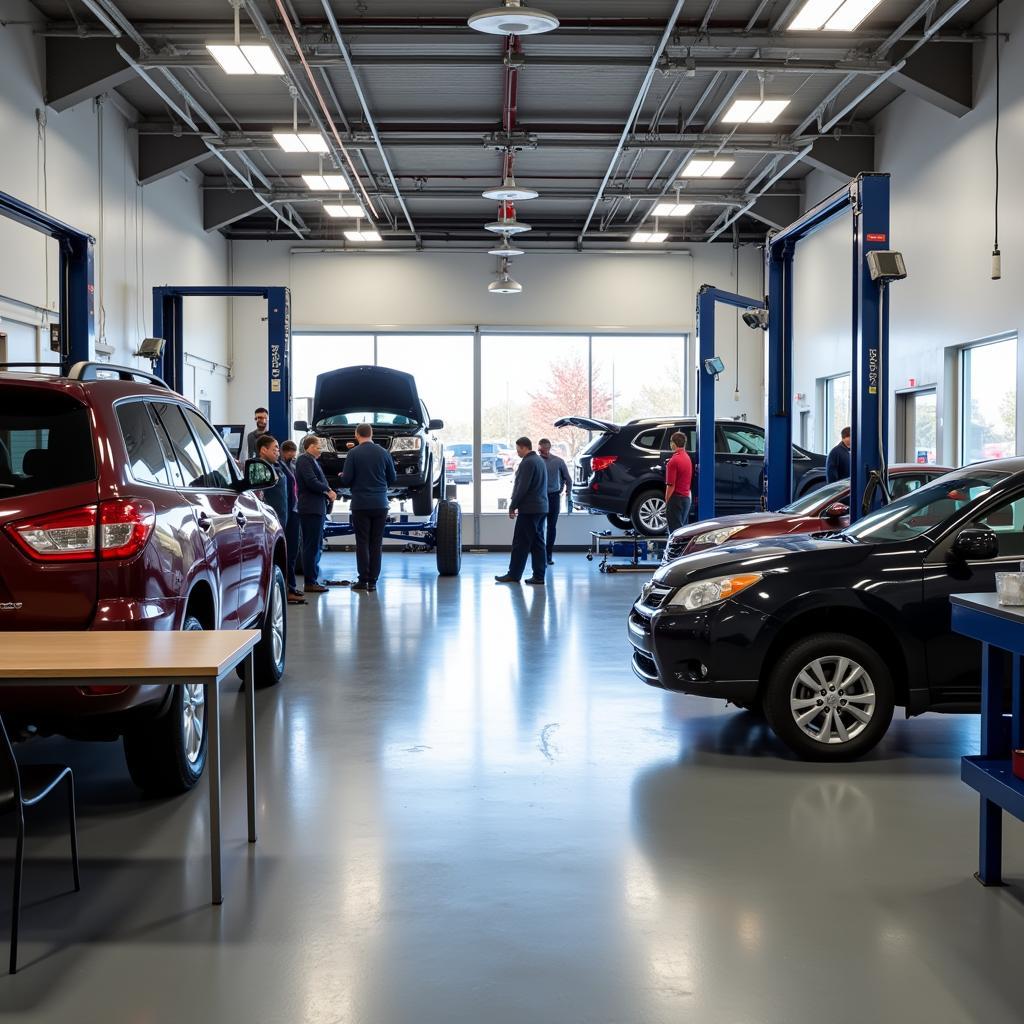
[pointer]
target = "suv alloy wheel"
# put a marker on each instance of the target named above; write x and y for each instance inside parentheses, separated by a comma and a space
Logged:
(647, 513)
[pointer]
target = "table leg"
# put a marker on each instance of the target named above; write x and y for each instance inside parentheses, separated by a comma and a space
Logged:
(990, 859)
(250, 743)
(213, 770)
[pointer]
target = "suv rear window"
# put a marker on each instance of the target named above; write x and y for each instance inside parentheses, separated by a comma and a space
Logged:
(45, 442)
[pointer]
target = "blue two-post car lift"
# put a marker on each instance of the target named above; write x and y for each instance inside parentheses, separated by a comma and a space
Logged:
(441, 533)
(866, 198)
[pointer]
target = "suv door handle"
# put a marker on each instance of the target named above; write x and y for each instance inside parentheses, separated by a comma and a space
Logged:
(740, 462)
(204, 521)
(241, 520)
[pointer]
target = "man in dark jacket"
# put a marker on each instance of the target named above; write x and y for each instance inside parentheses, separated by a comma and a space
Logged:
(369, 472)
(838, 465)
(278, 496)
(559, 480)
(289, 451)
(314, 495)
(262, 421)
(529, 507)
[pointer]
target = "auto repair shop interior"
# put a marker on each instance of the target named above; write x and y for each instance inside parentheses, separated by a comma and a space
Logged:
(709, 709)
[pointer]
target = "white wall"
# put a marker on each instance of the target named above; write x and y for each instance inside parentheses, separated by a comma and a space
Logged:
(942, 201)
(81, 167)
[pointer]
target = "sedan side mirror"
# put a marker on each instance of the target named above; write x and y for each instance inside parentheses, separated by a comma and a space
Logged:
(300, 425)
(435, 425)
(258, 474)
(976, 545)
(836, 511)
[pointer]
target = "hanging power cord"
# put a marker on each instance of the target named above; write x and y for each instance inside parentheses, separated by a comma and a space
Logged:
(736, 316)
(997, 259)
(879, 478)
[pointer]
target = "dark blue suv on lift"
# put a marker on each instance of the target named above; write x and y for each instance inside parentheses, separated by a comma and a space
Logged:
(621, 473)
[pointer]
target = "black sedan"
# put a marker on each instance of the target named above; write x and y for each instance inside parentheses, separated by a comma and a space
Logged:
(827, 636)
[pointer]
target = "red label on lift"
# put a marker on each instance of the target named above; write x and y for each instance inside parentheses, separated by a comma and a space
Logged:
(875, 238)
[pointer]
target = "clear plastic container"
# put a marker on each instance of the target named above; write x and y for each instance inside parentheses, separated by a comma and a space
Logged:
(1010, 587)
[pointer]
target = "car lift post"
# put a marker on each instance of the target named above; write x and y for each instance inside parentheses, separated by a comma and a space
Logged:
(77, 303)
(708, 298)
(867, 198)
(168, 323)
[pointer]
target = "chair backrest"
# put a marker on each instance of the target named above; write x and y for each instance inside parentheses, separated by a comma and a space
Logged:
(10, 778)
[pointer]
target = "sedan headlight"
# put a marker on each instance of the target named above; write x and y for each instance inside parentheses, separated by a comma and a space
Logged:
(706, 592)
(406, 444)
(717, 536)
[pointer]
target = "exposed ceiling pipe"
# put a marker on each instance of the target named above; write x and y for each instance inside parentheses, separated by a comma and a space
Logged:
(366, 111)
(634, 112)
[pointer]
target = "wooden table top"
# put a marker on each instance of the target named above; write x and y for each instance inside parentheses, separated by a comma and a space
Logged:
(130, 654)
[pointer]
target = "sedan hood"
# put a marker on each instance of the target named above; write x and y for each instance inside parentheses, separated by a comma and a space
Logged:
(724, 522)
(772, 553)
(366, 389)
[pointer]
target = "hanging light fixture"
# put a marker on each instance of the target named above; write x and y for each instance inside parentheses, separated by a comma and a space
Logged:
(508, 192)
(513, 20)
(506, 284)
(506, 249)
(240, 58)
(506, 224)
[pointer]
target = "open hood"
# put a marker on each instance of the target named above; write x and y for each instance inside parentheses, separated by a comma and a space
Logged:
(366, 389)
(586, 423)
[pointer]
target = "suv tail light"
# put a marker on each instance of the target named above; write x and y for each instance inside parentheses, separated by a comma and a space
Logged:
(112, 529)
(599, 462)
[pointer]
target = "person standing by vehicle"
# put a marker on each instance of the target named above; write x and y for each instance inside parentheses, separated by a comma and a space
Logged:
(678, 477)
(314, 495)
(558, 481)
(278, 496)
(286, 464)
(529, 507)
(838, 465)
(262, 422)
(369, 472)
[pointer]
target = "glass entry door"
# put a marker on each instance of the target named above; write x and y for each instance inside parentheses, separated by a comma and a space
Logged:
(915, 426)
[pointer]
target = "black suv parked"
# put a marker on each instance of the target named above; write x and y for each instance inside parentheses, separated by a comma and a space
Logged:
(621, 473)
(387, 400)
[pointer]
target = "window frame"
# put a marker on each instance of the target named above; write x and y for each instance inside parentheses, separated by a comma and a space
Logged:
(170, 459)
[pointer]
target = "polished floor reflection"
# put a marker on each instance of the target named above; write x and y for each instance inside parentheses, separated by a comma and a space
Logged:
(471, 811)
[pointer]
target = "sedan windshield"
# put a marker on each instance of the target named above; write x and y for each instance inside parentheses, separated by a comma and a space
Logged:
(819, 498)
(926, 507)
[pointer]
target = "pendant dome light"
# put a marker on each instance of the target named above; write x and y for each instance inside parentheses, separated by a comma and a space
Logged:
(506, 284)
(509, 192)
(513, 20)
(507, 226)
(506, 249)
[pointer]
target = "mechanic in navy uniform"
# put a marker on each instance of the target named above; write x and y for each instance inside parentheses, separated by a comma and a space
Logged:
(369, 473)
(558, 481)
(529, 507)
(838, 465)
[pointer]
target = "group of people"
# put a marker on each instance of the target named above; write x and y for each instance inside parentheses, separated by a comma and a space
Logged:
(302, 497)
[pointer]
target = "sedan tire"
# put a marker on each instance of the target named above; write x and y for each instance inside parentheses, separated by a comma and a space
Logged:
(829, 698)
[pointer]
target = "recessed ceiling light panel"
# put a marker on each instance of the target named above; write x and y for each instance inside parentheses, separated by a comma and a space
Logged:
(301, 142)
(245, 59)
(754, 111)
(706, 168)
(648, 237)
(344, 210)
(673, 209)
(363, 236)
(832, 15)
(513, 20)
(326, 182)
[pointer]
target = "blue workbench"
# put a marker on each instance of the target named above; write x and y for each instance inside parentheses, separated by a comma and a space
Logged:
(1000, 629)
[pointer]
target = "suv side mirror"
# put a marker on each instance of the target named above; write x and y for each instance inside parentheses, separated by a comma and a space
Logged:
(976, 545)
(836, 511)
(301, 425)
(258, 474)
(435, 425)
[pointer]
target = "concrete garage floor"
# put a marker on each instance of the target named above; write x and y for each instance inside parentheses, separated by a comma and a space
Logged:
(471, 811)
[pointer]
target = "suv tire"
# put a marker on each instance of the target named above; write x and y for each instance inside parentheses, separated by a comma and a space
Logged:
(647, 512)
(826, 687)
(449, 538)
(166, 755)
(620, 522)
(269, 653)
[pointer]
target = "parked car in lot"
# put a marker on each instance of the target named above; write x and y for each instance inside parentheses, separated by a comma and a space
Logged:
(496, 459)
(621, 473)
(120, 508)
(388, 400)
(828, 635)
(826, 508)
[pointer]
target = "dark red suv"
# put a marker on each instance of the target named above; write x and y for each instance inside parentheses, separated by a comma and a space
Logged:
(120, 508)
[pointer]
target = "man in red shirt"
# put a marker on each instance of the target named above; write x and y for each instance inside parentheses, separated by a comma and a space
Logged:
(678, 475)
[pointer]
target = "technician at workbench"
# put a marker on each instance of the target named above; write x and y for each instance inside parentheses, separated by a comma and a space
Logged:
(369, 472)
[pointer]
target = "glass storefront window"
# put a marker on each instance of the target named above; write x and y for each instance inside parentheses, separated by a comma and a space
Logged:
(988, 401)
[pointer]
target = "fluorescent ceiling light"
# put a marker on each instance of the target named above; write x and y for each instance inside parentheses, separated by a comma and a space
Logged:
(832, 15)
(673, 209)
(338, 210)
(754, 111)
(248, 59)
(326, 182)
(301, 142)
(698, 168)
(648, 237)
(363, 236)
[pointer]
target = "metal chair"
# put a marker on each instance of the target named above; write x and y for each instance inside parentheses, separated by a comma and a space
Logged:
(26, 787)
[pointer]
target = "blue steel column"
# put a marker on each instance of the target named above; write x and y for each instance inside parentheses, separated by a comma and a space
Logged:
(705, 476)
(779, 363)
(168, 309)
(78, 300)
(869, 403)
(279, 332)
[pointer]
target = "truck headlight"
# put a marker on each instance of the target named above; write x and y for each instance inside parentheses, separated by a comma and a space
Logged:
(698, 595)
(717, 536)
(406, 444)
(327, 445)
